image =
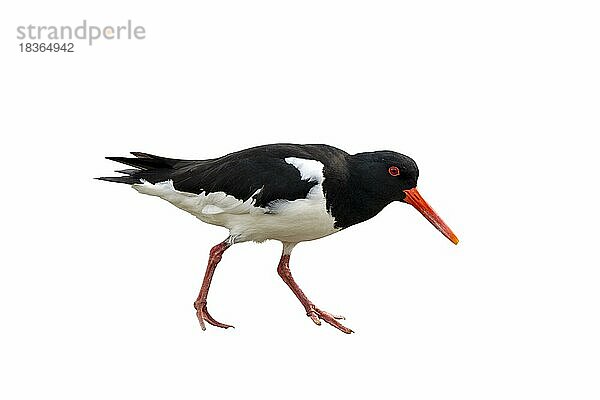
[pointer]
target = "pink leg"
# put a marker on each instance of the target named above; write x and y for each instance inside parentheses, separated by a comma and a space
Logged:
(312, 311)
(200, 304)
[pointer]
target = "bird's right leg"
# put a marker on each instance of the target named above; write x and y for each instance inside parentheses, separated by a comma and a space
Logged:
(200, 304)
(315, 313)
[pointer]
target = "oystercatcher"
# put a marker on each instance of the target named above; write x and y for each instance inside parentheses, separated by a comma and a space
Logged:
(287, 192)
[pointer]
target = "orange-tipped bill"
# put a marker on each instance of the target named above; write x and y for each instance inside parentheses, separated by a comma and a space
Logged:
(413, 197)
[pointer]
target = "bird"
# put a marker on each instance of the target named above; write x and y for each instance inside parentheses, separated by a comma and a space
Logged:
(291, 193)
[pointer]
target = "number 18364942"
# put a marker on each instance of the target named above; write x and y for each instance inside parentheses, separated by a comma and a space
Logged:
(47, 47)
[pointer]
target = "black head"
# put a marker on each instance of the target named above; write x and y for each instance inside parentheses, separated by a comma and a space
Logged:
(381, 177)
(387, 174)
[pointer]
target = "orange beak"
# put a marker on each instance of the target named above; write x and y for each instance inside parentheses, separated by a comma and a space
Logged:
(413, 197)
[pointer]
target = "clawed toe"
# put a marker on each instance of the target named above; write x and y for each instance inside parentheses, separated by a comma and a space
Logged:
(314, 316)
(203, 315)
(317, 315)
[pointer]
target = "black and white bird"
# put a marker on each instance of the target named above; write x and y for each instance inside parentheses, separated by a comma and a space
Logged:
(287, 192)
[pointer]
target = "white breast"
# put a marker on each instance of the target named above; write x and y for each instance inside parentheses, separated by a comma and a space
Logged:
(288, 221)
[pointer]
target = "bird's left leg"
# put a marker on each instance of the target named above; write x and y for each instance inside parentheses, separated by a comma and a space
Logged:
(200, 304)
(315, 313)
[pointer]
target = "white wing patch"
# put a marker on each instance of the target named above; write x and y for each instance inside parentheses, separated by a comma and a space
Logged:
(310, 170)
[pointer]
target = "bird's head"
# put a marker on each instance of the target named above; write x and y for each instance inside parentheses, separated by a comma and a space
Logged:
(393, 177)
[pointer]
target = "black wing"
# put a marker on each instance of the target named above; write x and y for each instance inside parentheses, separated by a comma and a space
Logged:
(239, 174)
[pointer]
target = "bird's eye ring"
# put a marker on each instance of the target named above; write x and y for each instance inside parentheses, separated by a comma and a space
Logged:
(394, 171)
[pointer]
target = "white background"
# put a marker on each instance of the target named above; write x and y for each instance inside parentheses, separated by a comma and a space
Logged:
(498, 103)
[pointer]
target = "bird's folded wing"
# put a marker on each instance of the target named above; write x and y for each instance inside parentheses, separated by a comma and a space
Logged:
(261, 180)
(237, 183)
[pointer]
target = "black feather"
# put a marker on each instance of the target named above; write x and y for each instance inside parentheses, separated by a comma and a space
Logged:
(240, 174)
(144, 163)
(128, 171)
(119, 179)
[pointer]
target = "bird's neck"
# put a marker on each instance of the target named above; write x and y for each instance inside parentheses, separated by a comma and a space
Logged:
(358, 199)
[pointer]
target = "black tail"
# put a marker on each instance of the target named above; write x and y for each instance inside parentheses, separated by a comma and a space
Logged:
(147, 167)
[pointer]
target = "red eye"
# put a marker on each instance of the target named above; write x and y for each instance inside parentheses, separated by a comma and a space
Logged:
(394, 171)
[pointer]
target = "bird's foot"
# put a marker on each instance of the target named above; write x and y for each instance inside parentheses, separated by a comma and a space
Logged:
(317, 315)
(203, 315)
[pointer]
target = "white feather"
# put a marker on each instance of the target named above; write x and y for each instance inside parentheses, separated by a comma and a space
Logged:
(310, 170)
(212, 209)
(288, 221)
